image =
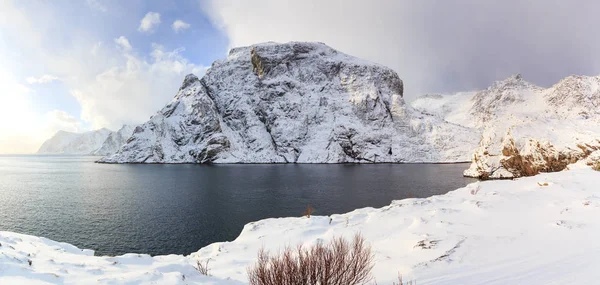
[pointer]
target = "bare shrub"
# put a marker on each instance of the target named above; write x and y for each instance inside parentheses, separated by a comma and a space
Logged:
(596, 166)
(338, 263)
(309, 210)
(203, 267)
(475, 190)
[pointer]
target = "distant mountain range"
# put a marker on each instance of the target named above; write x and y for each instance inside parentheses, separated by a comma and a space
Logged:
(100, 142)
(308, 103)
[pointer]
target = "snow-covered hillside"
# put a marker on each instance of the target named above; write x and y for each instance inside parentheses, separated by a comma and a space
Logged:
(524, 129)
(534, 230)
(99, 142)
(74, 143)
(294, 102)
(115, 140)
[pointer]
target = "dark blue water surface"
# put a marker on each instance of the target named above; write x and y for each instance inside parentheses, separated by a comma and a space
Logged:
(164, 209)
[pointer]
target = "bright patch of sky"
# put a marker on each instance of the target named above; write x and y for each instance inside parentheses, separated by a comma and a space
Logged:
(83, 65)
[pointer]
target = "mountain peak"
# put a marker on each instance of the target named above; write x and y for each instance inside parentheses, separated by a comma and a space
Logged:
(512, 82)
(189, 80)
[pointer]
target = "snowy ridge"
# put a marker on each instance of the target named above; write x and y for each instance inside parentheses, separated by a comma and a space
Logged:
(99, 142)
(294, 103)
(115, 140)
(74, 143)
(524, 129)
(533, 230)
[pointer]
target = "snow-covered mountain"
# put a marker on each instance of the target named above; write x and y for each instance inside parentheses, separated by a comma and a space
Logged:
(294, 102)
(115, 140)
(98, 142)
(525, 129)
(64, 142)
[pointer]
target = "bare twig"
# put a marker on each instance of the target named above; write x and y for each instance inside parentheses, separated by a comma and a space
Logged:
(203, 267)
(338, 263)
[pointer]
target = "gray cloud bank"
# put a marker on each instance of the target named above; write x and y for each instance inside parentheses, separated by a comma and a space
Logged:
(435, 46)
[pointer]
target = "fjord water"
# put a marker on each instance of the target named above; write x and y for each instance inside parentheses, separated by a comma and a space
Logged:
(165, 209)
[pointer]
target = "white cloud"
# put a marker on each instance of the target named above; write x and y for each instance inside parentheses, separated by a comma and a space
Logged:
(58, 120)
(435, 46)
(123, 43)
(46, 78)
(179, 25)
(134, 88)
(22, 129)
(96, 5)
(95, 48)
(147, 24)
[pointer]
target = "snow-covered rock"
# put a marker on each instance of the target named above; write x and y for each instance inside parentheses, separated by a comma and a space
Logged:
(525, 129)
(534, 230)
(115, 140)
(99, 142)
(294, 103)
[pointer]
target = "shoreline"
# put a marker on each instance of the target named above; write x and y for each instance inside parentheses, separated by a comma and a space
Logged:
(443, 239)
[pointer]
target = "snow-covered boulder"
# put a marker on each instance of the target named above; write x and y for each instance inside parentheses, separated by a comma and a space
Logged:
(293, 103)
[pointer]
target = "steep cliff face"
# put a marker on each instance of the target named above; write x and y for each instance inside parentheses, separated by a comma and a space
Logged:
(525, 129)
(114, 141)
(293, 102)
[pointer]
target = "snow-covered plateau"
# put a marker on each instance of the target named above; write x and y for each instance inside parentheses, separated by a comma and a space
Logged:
(100, 142)
(294, 103)
(533, 230)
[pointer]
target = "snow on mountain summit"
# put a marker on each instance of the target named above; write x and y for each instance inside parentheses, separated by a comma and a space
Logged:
(293, 102)
(498, 98)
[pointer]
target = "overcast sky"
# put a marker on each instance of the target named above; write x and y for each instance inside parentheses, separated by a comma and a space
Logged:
(82, 65)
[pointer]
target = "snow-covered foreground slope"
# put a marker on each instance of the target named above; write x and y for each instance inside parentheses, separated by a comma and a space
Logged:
(99, 142)
(525, 129)
(493, 232)
(294, 102)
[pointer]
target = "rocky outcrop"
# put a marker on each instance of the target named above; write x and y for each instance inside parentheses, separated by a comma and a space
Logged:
(293, 103)
(527, 157)
(525, 129)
